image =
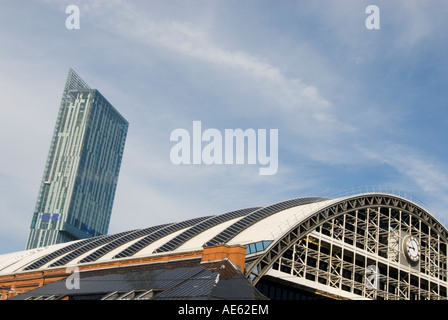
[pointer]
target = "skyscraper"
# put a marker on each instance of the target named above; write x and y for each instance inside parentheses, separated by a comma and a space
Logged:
(80, 178)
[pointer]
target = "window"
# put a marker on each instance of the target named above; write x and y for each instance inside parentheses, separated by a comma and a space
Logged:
(257, 246)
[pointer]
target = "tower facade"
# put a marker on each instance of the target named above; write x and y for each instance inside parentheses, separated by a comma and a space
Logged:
(81, 173)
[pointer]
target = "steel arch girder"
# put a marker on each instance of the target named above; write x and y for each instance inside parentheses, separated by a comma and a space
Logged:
(263, 263)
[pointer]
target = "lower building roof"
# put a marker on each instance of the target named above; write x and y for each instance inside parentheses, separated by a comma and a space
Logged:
(185, 280)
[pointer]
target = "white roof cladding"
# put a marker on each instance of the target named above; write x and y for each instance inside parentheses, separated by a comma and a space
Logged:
(269, 227)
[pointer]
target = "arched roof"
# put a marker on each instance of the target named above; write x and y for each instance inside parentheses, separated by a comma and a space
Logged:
(269, 225)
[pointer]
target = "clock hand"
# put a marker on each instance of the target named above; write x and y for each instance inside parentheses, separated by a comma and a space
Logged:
(411, 247)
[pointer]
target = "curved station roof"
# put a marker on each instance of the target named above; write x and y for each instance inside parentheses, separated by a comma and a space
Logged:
(243, 227)
(257, 228)
(366, 246)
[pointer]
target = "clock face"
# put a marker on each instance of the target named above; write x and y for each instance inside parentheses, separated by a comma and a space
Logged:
(411, 248)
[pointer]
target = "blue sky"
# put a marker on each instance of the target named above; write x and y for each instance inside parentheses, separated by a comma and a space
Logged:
(353, 107)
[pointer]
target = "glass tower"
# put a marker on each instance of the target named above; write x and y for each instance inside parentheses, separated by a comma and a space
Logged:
(80, 178)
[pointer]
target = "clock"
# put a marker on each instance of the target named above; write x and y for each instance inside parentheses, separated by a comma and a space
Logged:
(411, 248)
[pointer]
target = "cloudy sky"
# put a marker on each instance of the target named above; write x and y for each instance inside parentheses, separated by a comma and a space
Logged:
(353, 107)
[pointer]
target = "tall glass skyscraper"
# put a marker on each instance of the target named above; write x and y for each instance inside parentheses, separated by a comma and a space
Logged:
(80, 178)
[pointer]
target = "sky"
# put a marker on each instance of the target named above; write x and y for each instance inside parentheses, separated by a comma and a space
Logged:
(356, 109)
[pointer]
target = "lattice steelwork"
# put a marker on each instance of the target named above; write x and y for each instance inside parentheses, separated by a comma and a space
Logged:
(357, 246)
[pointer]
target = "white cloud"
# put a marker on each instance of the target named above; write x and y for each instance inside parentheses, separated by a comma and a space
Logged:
(424, 170)
(288, 98)
(314, 127)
